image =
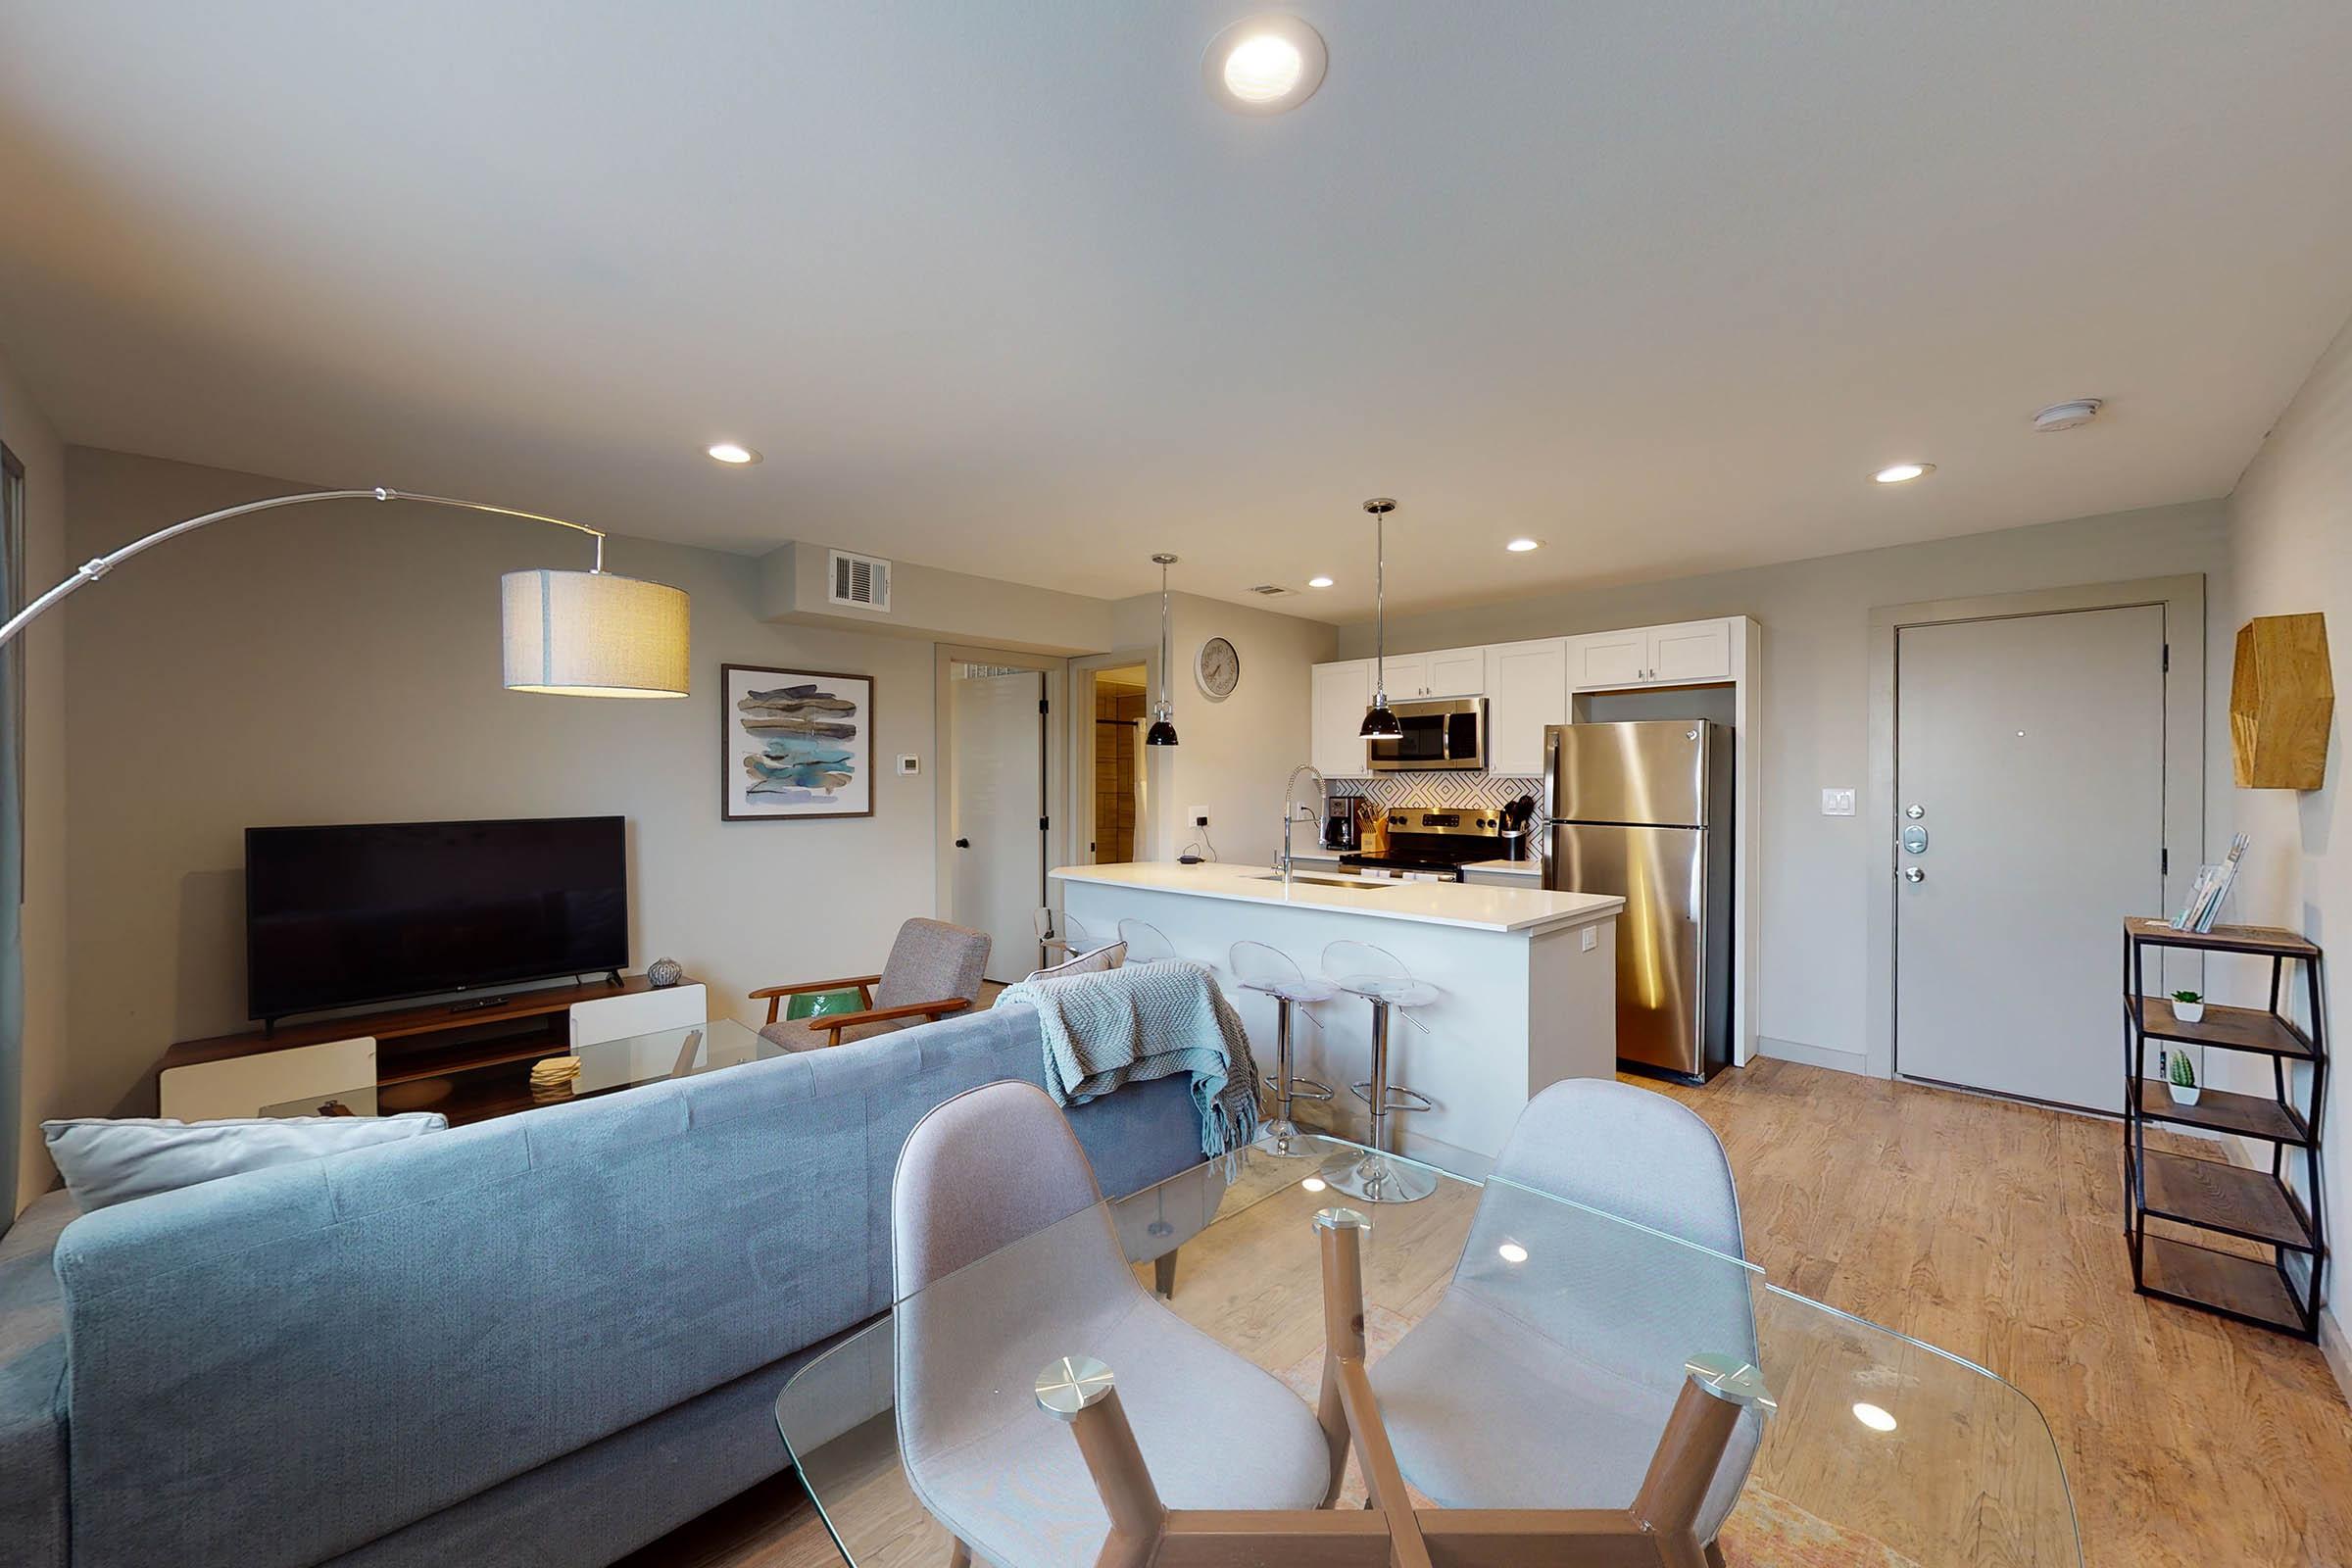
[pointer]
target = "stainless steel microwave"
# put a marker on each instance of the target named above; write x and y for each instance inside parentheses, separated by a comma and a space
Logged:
(1448, 736)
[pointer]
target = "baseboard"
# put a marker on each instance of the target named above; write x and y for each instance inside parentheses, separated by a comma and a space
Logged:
(1852, 1062)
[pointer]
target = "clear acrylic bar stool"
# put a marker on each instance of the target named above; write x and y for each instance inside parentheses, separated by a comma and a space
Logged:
(1146, 942)
(1381, 978)
(1274, 973)
(1061, 936)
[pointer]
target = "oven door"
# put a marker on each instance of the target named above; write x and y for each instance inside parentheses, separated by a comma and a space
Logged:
(1436, 737)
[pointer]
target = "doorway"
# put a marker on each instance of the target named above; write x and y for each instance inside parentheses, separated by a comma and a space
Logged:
(1120, 709)
(2030, 784)
(996, 810)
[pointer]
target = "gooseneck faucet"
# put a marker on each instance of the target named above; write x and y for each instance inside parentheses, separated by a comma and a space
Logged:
(1291, 807)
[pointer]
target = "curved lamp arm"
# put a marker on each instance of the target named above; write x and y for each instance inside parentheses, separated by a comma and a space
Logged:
(99, 566)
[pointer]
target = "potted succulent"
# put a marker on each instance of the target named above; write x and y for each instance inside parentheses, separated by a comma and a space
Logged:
(2189, 1005)
(2181, 1077)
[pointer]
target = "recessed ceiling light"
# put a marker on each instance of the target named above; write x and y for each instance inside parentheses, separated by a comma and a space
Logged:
(732, 453)
(1903, 472)
(1512, 1252)
(1264, 64)
(1871, 1416)
(1318, 582)
(1523, 545)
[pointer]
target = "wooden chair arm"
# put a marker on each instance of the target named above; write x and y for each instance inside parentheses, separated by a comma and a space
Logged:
(833, 1023)
(775, 995)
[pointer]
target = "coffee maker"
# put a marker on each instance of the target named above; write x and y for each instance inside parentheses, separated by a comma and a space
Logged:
(1340, 831)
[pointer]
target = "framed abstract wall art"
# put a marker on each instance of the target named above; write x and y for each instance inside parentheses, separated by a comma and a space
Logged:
(795, 744)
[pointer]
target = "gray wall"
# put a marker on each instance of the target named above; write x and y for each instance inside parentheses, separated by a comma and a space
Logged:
(340, 663)
(2291, 550)
(1814, 719)
(34, 441)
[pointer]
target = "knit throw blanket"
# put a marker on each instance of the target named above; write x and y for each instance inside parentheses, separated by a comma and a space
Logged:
(1144, 1021)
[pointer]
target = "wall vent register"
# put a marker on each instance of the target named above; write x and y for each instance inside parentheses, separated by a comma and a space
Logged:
(862, 580)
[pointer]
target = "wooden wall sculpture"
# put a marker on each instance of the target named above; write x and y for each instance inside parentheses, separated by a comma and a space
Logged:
(2281, 700)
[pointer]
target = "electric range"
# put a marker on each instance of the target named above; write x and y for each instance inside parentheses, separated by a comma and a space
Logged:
(1432, 844)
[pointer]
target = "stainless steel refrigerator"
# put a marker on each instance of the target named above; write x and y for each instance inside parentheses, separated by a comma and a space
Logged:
(1645, 811)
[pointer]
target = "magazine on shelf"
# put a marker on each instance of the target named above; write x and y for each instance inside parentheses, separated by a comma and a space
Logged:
(2211, 889)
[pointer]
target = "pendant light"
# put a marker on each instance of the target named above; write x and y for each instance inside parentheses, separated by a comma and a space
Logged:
(1163, 717)
(1379, 719)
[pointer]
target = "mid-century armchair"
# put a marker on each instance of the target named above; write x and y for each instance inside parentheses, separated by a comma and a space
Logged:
(934, 970)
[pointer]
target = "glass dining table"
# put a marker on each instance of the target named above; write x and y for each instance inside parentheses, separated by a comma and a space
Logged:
(1571, 1338)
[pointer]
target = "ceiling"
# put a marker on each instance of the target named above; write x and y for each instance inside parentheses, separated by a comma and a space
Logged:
(998, 288)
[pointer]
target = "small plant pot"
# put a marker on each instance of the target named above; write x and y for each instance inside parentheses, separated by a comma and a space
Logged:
(2188, 1012)
(2185, 1093)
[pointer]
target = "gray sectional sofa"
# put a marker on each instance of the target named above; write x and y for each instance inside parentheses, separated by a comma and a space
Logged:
(544, 1339)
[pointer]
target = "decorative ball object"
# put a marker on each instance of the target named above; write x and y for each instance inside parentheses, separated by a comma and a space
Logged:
(662, 973)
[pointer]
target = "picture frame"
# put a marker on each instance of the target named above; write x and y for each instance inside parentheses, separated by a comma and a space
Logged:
(794, 745)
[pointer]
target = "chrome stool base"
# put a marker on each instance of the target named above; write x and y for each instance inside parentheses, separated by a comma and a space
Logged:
(1378, 1178)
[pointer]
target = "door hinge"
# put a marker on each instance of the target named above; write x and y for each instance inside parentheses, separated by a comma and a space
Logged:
(1045, 824)
(1040, 706)
(2164, 863)
(2168, 658)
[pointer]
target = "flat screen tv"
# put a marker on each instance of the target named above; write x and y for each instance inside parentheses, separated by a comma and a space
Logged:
(336, 916)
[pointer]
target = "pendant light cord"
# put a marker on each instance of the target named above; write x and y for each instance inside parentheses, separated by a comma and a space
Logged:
(1380, 595)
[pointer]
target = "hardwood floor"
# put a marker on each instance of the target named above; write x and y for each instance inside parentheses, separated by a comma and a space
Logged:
(1992, 1229)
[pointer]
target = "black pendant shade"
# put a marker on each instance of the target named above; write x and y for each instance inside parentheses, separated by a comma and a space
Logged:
(1163, 712)
(1380, 719)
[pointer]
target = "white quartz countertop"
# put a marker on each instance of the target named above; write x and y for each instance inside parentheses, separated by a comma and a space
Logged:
(1462, 904)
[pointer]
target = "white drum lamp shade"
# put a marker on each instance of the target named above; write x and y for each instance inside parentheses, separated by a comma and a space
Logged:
(593, 634)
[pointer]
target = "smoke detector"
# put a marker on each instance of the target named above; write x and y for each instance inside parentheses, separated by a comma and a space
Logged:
(2067, 415)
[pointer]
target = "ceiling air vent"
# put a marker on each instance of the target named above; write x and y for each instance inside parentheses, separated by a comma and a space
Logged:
(1270, 590)
(861, 580)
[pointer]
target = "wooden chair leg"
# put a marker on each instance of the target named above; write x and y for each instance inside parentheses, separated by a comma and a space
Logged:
(1342, 1242)
(1715, 1555)
(1163, 1272)
(960, 1553)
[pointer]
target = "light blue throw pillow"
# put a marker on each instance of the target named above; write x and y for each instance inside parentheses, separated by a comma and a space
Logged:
(112, 1161)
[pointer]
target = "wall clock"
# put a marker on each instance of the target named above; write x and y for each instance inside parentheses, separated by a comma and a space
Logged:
(1217, 669)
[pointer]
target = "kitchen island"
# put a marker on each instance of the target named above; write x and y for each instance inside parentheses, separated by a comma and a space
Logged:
(1527, 981)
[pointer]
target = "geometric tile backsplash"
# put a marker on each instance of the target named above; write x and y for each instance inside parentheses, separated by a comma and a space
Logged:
(1448, 791)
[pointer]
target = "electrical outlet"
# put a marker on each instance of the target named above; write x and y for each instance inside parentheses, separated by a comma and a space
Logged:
(1200, 816)
(1592, 938)
(1838, 802)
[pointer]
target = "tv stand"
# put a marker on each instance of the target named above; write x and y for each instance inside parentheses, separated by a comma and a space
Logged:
(434, 1040)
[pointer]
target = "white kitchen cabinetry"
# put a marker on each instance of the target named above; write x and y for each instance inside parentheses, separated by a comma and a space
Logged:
(1527, 689)
(1427, 677)
(1339, 695)
(1652, 656)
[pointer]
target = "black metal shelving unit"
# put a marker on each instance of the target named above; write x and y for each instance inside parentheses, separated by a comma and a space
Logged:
(2282, 1291)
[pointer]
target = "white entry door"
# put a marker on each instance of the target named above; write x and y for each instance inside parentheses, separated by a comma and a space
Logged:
(998, 833)
(2030, 786)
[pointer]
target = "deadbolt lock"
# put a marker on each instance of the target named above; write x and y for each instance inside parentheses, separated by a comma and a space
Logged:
(1915, 811)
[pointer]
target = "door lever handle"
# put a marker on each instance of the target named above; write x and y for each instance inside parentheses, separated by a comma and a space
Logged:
(1913, 873)
(963, 843)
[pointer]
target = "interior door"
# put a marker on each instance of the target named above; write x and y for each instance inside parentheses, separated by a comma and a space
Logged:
(2028, 821)
(999, 756)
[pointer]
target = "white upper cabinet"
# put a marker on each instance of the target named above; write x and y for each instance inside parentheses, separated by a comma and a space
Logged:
(1699, 649)
(1527, 685)
(1456, 672)
(1527, 690)
(1428, 677)
(1608, 659)
(1339, 695)
(1671, 656)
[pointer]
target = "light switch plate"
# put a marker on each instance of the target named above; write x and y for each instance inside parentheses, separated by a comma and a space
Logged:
(1838, 802)
(909, 764)
(1592, 938)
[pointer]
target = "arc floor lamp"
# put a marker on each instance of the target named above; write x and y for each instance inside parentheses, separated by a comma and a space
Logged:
(571, 633)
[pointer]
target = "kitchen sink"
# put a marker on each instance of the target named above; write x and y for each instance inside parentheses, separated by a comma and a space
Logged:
(1332, 881)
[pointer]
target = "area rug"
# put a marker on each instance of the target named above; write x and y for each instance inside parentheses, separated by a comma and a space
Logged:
(1765, 1531)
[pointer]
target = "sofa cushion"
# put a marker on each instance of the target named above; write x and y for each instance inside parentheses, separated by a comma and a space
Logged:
(107, 1161)
(32, 1375)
